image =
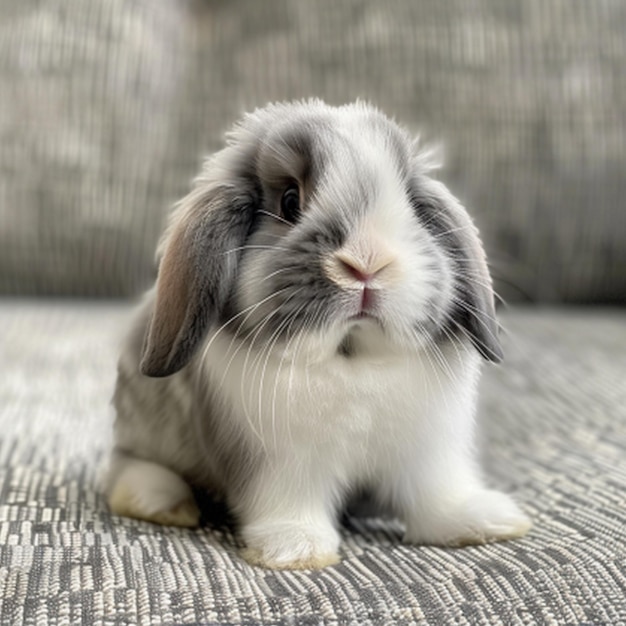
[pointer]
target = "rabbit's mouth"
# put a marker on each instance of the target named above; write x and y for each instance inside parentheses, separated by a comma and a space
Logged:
(363, 303)
(363, 315)
(365, 335)
(364, 320)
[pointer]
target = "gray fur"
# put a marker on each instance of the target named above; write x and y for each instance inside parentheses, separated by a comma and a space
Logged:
(472, 312)
(178, 421)
(205, 262)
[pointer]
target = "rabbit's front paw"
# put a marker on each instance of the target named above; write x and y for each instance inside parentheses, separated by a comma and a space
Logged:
(291, 546)
(484, 517)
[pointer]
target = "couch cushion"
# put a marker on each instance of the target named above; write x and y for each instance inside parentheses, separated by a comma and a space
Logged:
(553, 421)
(88, 129)
(107, 106)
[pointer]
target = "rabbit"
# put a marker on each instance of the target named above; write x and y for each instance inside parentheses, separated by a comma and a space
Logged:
(320, 315)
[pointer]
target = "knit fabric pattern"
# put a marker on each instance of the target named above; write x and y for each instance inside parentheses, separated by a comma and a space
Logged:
(553, 434)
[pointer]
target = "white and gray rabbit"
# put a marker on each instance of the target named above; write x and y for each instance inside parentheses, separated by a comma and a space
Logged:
(317, 327)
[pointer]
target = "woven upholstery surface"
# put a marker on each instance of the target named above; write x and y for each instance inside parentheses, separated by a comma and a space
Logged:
(554, 430)
(108, 105)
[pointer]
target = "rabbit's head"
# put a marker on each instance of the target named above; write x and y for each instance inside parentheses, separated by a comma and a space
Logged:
(320, 225)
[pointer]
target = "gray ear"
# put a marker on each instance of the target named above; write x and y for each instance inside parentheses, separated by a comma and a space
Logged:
(473, 309)
(196, 273)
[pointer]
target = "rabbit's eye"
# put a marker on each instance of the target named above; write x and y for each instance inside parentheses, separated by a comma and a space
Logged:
(290, 203)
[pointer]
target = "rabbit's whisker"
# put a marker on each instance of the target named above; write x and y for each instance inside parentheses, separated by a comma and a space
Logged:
(458, 229)
(480, 314)
(263, 357)
(275, 273)
(276, 217)
(292, 338)
(256, 360)
(197, 418)
(256, 330)
(249, 309)
(256, 247)
(288, 322)
(434, 369)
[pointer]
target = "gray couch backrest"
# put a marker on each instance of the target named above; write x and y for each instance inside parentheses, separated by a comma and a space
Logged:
(107, 106)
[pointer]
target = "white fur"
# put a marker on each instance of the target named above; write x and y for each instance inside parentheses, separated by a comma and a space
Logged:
(403, 421)
(152, 492)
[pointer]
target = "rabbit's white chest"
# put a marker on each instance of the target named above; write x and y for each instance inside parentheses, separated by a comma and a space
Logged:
(353, 414)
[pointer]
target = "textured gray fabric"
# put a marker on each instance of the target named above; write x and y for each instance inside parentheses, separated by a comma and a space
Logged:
(107, 106)
(88, 136)
(554, 424)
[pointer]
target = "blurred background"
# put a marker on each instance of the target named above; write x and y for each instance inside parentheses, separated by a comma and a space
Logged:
(107, 107)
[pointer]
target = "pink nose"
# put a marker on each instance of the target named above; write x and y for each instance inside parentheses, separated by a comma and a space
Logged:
(356, 272)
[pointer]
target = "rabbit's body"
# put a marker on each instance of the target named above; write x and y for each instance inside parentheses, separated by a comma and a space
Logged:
(326, 339)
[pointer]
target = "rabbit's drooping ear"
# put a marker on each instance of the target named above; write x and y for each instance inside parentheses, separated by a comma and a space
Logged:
(473, 308)
(197, 270)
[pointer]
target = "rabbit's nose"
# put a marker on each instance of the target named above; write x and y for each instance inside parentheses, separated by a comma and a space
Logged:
(354, 268)
(362, 271)
(359, 271)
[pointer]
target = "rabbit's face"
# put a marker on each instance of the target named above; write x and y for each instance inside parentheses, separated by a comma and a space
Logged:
(339, 253)
(319, 226)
